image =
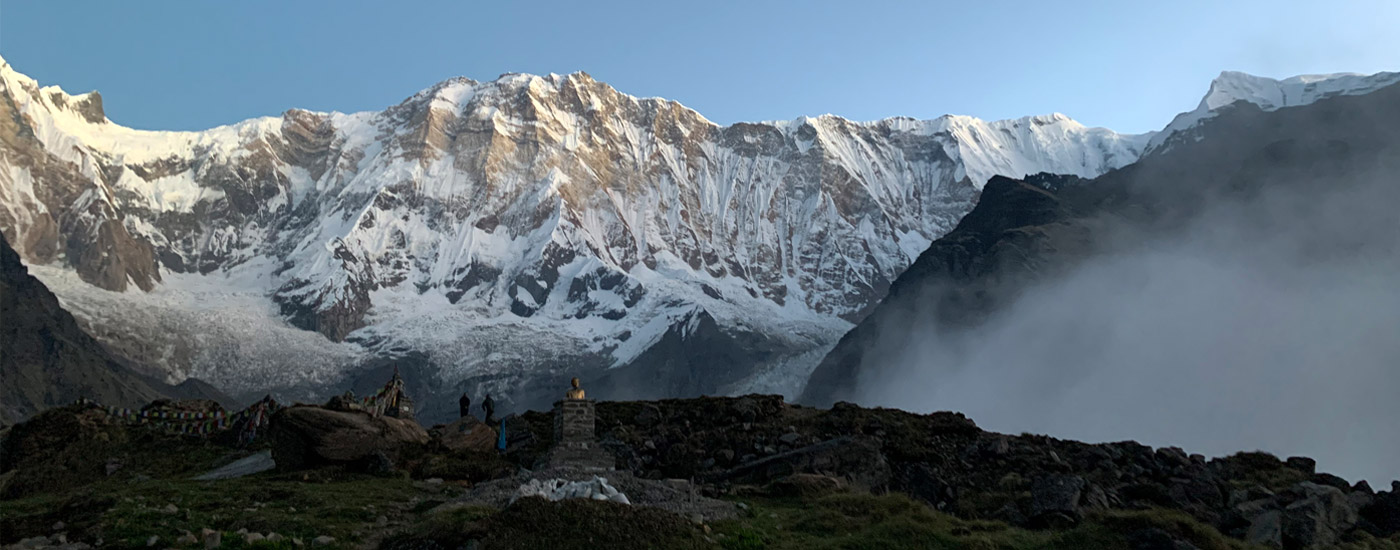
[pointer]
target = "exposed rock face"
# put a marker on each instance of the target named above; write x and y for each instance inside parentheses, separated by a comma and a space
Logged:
(305, 436)
(66, 214)
(695, 356)
(1318, 518)
(1005, 236)
(598, 225)
(1055, 500)
(46, 360)
(1266, 529)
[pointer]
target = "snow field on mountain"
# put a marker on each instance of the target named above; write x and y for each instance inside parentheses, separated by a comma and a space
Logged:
(480, 220)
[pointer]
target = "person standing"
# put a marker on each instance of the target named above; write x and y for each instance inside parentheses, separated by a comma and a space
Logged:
(464, 405)
(490, 407)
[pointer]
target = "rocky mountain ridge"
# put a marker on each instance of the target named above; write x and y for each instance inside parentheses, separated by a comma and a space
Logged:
(1255, 205)
(495, 233)
(587, 221)
(1025, 230)
(46, 360)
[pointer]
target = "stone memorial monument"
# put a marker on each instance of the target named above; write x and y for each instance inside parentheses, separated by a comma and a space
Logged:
(575, 444)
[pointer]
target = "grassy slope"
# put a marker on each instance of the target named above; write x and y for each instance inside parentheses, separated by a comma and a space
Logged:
(349, 507)
(126, 513)
(851, 521)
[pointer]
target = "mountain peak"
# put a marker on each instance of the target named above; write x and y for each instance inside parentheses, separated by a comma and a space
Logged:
(86, 107)
(590, 217)
(1271, 94)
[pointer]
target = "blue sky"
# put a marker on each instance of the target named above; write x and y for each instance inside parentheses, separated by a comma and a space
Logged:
(1126, 65)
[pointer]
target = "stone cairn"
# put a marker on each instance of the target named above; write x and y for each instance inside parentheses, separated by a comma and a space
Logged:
(575, 444)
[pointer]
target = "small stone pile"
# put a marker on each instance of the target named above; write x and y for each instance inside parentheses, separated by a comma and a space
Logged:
(559, 489)
(677, 496)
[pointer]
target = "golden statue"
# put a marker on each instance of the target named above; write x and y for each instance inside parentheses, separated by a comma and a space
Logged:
(575, 392)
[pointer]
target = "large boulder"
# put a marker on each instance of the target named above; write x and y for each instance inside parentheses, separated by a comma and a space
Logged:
(305, 436)
(1055, 500)
(1265, 529)
(466, 435)
(921, 481)
(1318, 519)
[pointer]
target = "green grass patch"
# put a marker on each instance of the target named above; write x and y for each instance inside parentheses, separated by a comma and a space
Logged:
(1365, 541)
(534, 523)
(1276, 479)
(860, 521)
(851, 521)
(1114, 529)
(127, 513)
(451, 528)
(290, 508)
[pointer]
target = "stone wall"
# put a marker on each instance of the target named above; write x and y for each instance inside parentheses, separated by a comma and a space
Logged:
(575, 445)
(573, 422)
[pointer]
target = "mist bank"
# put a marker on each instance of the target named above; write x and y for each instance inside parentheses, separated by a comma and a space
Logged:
(1213, 342)
(1238, 293)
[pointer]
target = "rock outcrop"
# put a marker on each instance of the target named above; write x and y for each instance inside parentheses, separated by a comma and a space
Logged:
(465, 435)
(46, 360)
(1055, 500)
(305, 436)
(760, 443)
(68, 444)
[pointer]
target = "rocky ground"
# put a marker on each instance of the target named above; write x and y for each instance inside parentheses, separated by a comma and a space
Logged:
(786, 476)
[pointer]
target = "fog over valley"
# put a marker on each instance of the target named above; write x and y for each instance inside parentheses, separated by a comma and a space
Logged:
(1270, 320)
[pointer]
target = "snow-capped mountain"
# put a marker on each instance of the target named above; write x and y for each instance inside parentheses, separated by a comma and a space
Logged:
(496, 233)
(1269, 94)
(1237, 276)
